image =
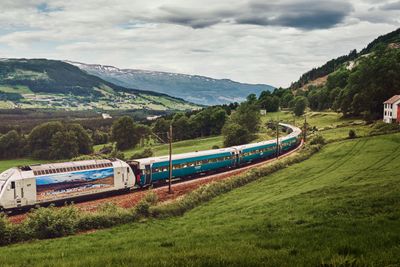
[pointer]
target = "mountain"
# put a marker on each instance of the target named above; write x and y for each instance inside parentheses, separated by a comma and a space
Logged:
(318, 76)
(194, 88)
(42, 83)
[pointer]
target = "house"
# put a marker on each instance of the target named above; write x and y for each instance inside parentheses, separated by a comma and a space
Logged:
(391, 109)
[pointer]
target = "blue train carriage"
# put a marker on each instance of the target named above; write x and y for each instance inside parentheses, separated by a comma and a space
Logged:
(291, 140)
(48, 183)
(150, 170)
(256, 151)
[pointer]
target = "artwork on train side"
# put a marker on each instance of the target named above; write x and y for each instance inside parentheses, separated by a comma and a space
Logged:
(68, 184)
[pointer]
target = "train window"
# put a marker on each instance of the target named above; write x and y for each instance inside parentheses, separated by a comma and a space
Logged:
(191, 164)
(35, 173)
(128, 169)
(12, 185)
(185, 166)
(165, 169)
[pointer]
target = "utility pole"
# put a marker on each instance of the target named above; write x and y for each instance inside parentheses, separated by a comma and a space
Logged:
(170, 160)
(277, 138)
(305, 128)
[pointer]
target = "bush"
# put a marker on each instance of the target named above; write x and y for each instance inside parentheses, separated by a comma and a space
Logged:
(318, 140)
(384, 128)
(51, 222)
(352, 134)
(143, 207)
(215, 147)
(5, 230)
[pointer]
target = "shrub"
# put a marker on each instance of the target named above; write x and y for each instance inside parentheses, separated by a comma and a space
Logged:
(143, 207)
(5, 230)
(318, 140)
(352, 134)
(51, 222)
(215, 147)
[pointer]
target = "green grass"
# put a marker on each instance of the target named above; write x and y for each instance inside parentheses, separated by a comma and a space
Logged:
(341, 206)
(6, 164)
(15, 89)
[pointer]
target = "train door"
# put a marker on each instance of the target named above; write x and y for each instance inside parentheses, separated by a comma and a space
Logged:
(148, 174)
(19, 192)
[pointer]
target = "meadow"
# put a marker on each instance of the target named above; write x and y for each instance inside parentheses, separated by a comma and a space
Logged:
(339, 208)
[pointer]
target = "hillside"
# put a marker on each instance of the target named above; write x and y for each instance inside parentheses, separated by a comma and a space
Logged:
(391, 39)
(339, 208)
(42, 83)
(193, 88)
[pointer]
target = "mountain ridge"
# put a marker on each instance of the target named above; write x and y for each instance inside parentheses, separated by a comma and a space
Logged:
(45, 83)
(209, 91)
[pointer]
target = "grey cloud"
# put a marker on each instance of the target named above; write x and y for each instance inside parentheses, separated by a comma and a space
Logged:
(306, 14)
(391, 6)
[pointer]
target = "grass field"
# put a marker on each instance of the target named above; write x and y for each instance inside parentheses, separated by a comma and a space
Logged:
(6, 164)
(339, 208)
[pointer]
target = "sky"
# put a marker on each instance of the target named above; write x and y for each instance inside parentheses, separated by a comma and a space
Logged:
(253, 41)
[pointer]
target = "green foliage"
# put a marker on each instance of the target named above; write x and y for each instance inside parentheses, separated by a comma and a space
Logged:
(5, 230)
(248, 115)
(352, 134)
(64, 145)
(269, 102)
(54, 140)
(318, 140)
(235, 134)
(100, 137)
(299, 105)
(384, 128)
(124, 133)
(51, 222)
(12, 145)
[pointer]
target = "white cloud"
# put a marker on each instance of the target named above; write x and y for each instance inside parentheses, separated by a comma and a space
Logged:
(247, 41)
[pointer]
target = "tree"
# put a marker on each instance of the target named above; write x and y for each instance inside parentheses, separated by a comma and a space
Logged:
(300, 104)
(40, 138)
(64, 145)
(268, 102)
(100, 137)
(248, 115)
(84, 141)
(235, 134)
(161, 125)
(124, 134)
(11, 145)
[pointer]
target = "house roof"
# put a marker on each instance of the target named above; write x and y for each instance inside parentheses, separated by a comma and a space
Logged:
(392, 100)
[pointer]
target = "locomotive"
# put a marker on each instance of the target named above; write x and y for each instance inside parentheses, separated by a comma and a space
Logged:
(27, 186)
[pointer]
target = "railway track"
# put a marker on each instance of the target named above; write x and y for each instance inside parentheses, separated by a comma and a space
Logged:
(180, 188)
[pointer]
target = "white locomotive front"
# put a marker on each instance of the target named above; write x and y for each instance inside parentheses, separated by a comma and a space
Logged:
(47, 183)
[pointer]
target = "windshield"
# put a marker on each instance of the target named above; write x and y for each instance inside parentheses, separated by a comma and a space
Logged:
(4, 177)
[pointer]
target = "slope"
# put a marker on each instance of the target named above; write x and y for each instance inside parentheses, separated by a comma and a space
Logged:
(391, 39)
(193, 88)
(339, 208)
(31, 83)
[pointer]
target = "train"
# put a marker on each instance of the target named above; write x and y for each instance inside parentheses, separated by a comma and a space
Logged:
(39, 184)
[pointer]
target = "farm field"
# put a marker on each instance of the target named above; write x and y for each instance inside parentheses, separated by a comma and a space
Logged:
(339, 208)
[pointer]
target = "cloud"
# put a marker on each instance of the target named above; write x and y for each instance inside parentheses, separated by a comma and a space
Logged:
(391, 6)
(306, 15)
(254, 41)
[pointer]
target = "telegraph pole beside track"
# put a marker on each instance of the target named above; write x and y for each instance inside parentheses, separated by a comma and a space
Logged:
(170, 160)
(305, 129)
(277, 138)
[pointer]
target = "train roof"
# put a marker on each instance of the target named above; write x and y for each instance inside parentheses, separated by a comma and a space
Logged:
(184, 155)
(50, 166)
(145, 161)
